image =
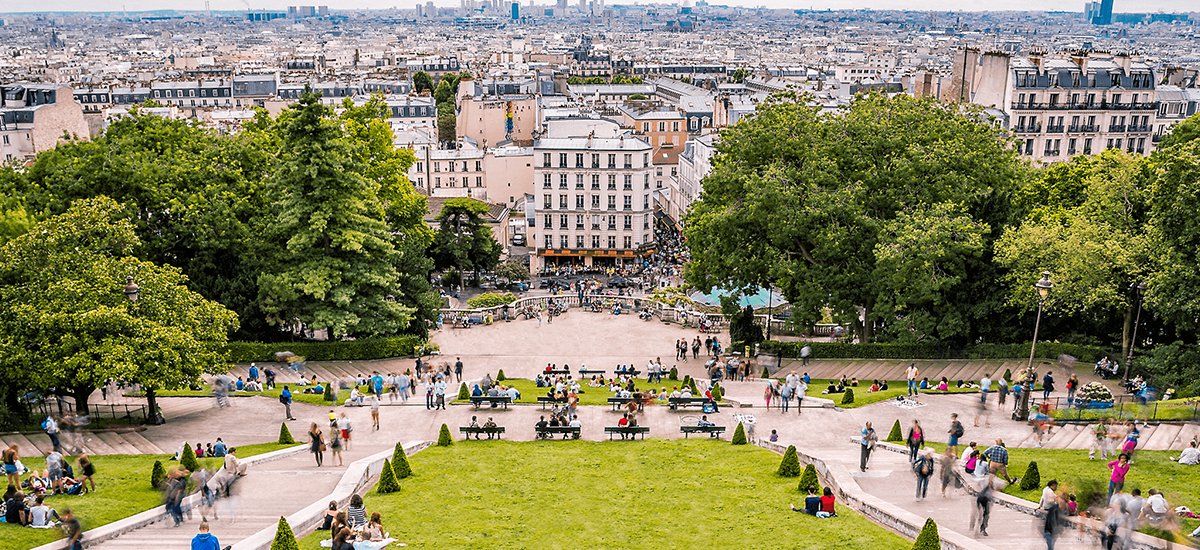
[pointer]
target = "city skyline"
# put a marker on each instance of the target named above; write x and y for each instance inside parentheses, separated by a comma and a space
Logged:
(25, 6)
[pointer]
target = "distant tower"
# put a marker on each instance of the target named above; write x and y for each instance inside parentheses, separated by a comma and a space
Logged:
(516, 11)
(1105, 18)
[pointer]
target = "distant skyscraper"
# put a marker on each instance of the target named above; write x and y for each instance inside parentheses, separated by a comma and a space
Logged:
(516, 11)
(1105, 17)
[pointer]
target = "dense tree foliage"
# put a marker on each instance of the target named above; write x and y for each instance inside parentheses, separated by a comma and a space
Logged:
(463, 241)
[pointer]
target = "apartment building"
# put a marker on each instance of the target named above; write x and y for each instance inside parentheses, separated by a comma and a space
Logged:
(1062, 105)
(695, 163)
(495, 175)
(35, 117)
(592, 197)
(493, 120)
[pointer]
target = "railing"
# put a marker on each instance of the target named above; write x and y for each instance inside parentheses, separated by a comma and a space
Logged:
(1122, 407)
(1055, 128)
(1082, 128)
(1116, 128)
(1087, 106)
(1028, 129)
(1051, 153)
(1145, 128)
(129, 414)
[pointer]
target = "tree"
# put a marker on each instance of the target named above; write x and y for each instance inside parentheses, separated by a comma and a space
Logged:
(447, 123)
(187, 459)
(463, 393)
(739, 75)
(422, 82)
(444, 438)
(337, 260)
(463, 242)
(848, 396)
(820, 205)
(739, 435)
(387, 480)
(896, 435)
(1032, 479)
(513, 270)
(743, 331)
(1174, 236)
(790, 465)
(928, 539)
(67, 326)
(400, 462)
(285, 435)
(158, 475)
(808, 480)
(1188, 130)
(500, 375)
(285, 539)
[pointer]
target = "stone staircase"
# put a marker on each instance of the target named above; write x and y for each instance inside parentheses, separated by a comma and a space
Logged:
(129, 442)
(1155, 437)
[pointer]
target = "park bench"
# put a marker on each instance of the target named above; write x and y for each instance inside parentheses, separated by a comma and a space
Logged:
(568, 432)
(556, 371)
(482, 430)
(633, 431)
(585, 372)
(618, 402)
(712, 431)
(493, 400)
(676, 402)
(544, 399)
(633, 372)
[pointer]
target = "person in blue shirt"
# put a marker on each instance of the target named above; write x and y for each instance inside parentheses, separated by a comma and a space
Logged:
(812, 503)
(377, 384)
(704, 422)
(285, 397)
(476, 392)
(205, 540)
(240, 385)
(253, 372)
(219, 448)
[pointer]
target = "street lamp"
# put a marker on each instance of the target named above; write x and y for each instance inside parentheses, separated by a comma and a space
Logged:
(1042, 287)
(132, 291)
(1138, 289)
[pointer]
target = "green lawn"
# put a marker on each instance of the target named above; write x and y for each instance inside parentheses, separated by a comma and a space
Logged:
(1173, 409)
(587, 396)
(580, 494)
(862, 397)
(312, 399)
(122, 490)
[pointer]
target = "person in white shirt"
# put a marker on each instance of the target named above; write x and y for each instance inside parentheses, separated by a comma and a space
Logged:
(1190, 455)
(575, 423)
(1048, 497)
(42, 516)
(1156, 507)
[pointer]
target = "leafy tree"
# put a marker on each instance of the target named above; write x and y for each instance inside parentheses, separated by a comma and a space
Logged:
(1174, 236)
(67, 326)
(422, 82)
(1188, 130)
(463, 242)
(490, 299)
(285, 539)
(673, 374)
(444, 438)
(447, 123)
(808, 480)
(513, 270)
(739, 435)
(743, 331)
(790, 465)
(739, 75)
(158, 475)
(387, 479)
(400, 462)
(928, 539)
(896, 435)
(500, 376)
(285, 435)
(328, 394)
(337, 261)
(187, 459)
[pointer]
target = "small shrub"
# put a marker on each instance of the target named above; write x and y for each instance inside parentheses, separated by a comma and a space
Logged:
(808, 480)
(329, 392)
(766, 373)
(897, 434)
(188, 459)
(500, 376)
(400, 462)
(463, 393)
(674, 374)
(1094, 391)
(158, 475)
(490, 299)
(717, 392)
(285, 435)
(444, 439)
(691, 384)
(790, 466)
(1032, 478)
(739, 435)
(387, 479)
(1008, 374)
(285, 539)
(848, 397)
(928, 539)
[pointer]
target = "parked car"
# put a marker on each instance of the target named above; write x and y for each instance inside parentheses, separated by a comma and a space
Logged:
(518, 239)
(619, 282)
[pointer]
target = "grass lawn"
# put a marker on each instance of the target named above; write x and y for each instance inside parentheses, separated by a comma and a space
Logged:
(862, 397)
(1172, 409)
(312, 399)
(122, 490)
(587, 396)
(580, 494)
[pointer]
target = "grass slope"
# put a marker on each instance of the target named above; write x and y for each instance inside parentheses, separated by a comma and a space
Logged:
(651, 494)
(862, 397)
(297, 397)
(122, 490)
(588, 396)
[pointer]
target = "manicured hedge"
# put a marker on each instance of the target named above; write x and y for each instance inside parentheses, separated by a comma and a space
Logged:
(838, 350)
(368, 348)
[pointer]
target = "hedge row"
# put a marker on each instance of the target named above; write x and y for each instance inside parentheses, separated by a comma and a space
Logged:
(838, 350)
(369, 348)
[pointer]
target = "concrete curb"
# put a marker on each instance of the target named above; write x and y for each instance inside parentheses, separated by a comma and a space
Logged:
(356, 479)
(137, 521)
(874, 508)
(1138, 541)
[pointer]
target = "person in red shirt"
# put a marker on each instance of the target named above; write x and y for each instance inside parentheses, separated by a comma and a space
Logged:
(827, 501)
(624, 421)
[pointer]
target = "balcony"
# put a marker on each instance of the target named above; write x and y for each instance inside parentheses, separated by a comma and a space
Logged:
(1138, 128)
(1116, 128)
(1054, 129)
(1028, 128)
(1051, 152)
(1156, 138)
(1076, 128)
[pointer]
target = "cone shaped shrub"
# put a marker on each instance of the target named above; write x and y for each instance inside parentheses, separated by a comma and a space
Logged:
(674, 374)
(790, 466)
(329, 392)
(387, 479)
(463, 393)
(928, 539)
(158, 475)
(766, 373)
(444, 439)
(188, 458)
(1008, 375)
(896, 435)
(691, 384)
(285, 435)
(739, 435)
(808, 480)
(285, 539)
(400, 462)
(1032, 478)
(848, 397)
(500, 376)
(717, 392)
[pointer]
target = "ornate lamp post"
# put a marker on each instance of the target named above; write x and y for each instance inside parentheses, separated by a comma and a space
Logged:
(153, 417)
(1042, 287)
(1138, 289)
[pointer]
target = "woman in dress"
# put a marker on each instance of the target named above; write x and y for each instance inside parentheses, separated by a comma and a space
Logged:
(317, 443)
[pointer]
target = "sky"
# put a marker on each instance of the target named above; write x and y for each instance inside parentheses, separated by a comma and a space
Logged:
(937, 5)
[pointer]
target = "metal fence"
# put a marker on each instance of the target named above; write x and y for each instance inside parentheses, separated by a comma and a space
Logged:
(98, 413)
(1122, 407)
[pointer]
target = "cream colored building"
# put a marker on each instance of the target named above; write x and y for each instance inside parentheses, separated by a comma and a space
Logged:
(492, 121)
(35, 117)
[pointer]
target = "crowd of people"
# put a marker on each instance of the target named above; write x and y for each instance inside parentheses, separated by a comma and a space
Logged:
(353, 528)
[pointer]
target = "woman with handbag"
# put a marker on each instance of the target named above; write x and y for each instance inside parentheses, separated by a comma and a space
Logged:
(317, 443)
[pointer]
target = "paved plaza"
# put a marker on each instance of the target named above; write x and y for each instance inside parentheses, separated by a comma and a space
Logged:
(522, 349)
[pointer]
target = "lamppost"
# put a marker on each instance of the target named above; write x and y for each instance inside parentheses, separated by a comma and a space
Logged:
(1138, 290)
(1042, 287)
(132, 291)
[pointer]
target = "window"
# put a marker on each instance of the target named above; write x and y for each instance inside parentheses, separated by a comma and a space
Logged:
(579, 241)
(549, 241)
(545, 160)
(579, 203)
(546, 181)
(562, 181)
(645, 160)
(579, 223)
(420, 167)
(612, 241)
(595, 160)
(562, 160)
(437, 182)
(596, 182)
(548, 221)
(596, 201)
(646, 127)
(565, 240)
(562, 202)
(578, 181)
(628, 242)
(629, 161)
(646, 225)
(612, 222)
(612, 202)
(628, 182)
(662, 126)
(478, 181)
(595, 241)
(579, 160)
(612, 160)
(478, 166)
(628, 221)
(645, 202)
(562, 221)
(549, 203)
(465, 181)
(437, 167)
(612, 182)
(675, 126)
(628, 202)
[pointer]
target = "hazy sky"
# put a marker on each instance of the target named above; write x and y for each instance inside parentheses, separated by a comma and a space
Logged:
(965, 5)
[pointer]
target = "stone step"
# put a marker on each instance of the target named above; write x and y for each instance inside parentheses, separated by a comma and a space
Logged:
(118, 443)
(1084, 439)
(143, 445)
(1062, 436)
(94, 444)
(1162, 437)
(24, 446)
(41, 442)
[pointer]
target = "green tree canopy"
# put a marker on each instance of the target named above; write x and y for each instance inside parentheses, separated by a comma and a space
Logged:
(1174, 235)
(422, 82)
(463, 241)
(67, 326)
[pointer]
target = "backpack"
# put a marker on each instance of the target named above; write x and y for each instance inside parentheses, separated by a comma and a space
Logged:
(923, 466)
(283, 399)
(45, 423)
(958, 429)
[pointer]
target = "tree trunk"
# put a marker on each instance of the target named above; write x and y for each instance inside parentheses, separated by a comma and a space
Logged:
(868, 326)
(1127, 333)
(81, 394)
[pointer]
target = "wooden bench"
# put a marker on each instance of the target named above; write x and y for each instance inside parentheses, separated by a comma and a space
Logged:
(634, 372)
(482, 430)
(713, 431)
(493, 400)
(544, 399)
(618, 402)
(633, 431)
(585, 372)
(548, 432)
(556, 371)
(676, 402)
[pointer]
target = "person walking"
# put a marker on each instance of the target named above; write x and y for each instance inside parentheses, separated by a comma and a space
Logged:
(768, 392)
(375, 412)
(956, 431)
(428, 396)
(1099, 441)
(983, 505)
(997, 457)
(923, 467)
(1050, 525)
(346, 428)
(911, 374)
(915, 440)
(458, 369)
(946, 469)
(1002, 390)
(316, 443)
(204, 540)
(335, 446)
(1072, 387)
(695, 348)
(1047, 385)
(805, 353)
(285, 397)
(439, 392)
(867, 442)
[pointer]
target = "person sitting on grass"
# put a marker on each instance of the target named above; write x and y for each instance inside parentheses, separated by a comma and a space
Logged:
(853, 381)
(15, 512)
(924, 383)
(943, 385)
(883, 385)
(356, 513)
(42, 516)
(827, 504)
(874, 386)
(812, 503)
(1190, 455)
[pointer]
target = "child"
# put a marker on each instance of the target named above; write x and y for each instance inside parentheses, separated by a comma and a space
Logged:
(774, 437)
